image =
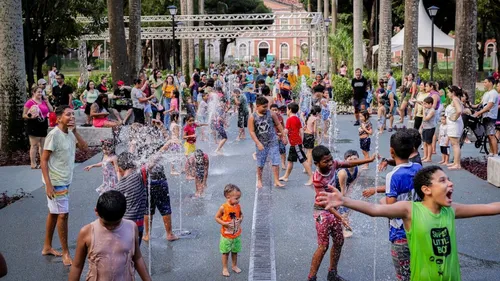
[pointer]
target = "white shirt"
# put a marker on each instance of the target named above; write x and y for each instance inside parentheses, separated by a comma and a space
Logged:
(491, 96)
(136, 95)
(62, 159)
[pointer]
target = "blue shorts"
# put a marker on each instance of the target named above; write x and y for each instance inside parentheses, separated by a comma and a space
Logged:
(195, 96)
(271, 151)
(148, 109)
(251, 97)
(282, 147)
(160, 197)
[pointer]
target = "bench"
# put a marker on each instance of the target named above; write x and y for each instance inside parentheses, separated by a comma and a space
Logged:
(493, 176)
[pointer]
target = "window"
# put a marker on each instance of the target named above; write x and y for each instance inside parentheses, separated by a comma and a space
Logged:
(242, 51)
(210, 50)
(284, 24)
(304, 51)
(284, 54)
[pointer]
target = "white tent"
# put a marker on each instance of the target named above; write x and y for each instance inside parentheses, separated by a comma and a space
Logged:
(441, 40)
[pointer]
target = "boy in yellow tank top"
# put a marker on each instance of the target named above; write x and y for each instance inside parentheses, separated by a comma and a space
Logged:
(230, 217)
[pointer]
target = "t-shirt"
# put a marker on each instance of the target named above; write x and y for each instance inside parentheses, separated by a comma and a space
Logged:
(443, 136)
(431, 123)
(62, 159)
(293, 125)
(359, 87)
(136, 94)
(174, 105)
(433, 245)
(122, 92)
(399, 185)
(201, 85)
(491, 96)
(243, 107)
(190, 130)
(321, 182)
(134, 190)
(61, 94)
(90, 96)
(102, 88)
(44, 109)
(392, 83)
(203, 109)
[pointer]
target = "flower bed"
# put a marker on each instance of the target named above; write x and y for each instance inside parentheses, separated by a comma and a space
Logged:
(18, 158)
(476, 166)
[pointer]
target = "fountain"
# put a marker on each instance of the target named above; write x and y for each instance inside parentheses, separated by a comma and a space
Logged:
(333, 130)
(375, 199)
(305, 97)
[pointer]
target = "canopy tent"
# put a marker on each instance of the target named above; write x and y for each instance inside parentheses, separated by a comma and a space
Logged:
(442, 41)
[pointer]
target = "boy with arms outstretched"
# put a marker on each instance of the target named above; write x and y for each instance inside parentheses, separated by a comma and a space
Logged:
(429, 225)
(328, 223)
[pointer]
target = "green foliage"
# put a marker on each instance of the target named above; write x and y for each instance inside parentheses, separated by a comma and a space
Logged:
(340, 46)
(478, 96)
(342, 90)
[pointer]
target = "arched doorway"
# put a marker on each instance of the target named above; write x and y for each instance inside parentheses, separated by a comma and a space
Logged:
(263, 50)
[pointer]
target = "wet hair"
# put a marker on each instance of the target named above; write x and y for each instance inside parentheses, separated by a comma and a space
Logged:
(199, 157)
(402, 143)
(237, 91)
(365, 114)
(210, 82)
(230, 188)
(274, 106)
(187, 117)
(294, 107)
(88, 84)
(266, 91)
(108, 143)
(350, 153)
(60, 109)
(314, 110)
(416, 137)
(319, 88)
(261, 101)
(174, 116)
(261, 81)
(429, 100)
(424, 177)
(111, 206)
(218, 89)
(126, 161)
(319, 152)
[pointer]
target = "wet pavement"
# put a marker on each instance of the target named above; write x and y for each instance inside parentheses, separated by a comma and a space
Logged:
(288, 216)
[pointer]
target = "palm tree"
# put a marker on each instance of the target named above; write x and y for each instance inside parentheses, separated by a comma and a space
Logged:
(134, 37)
(201, 44)
(358, 33)
(320, 10)
(326, 8)
(464, 72)
(340, 47)
(118, 44)
(12, 75)
(184, 45)
(385, 34)
(190, 41)
(410, 52)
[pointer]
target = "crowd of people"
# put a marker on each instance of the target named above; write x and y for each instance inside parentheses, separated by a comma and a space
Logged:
(286, 127)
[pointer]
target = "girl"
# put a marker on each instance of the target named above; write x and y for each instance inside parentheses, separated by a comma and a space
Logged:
(173, 145)
(168, 93)
(432, 89)
(109, 164)
(189, 135)
(197, 169)
(381, 113)
(88, 97)
(443, 142)
(328, 85)
(325, 116)
(365, 131)
(419, 108)
(310, 132)
(100, 113)
(454, 124)
(219, 125)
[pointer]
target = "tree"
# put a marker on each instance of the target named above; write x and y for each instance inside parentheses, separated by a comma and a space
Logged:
(118, 44)
(385, 34)
(340, 46)
(190, 11)
(464, 72)
(326, 8)
(410, 53)
(12, 76)
(134, 38)
(184, 45)
(358, 33)
(201, 44)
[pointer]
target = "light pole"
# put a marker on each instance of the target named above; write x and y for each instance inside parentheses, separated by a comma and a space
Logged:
(209, 56)
(173, 11)
(432, 13)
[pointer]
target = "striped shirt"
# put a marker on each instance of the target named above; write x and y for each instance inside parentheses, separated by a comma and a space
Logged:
(133, 188)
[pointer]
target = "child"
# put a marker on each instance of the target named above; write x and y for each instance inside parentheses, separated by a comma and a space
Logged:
(261, 127)
(344, 179)
(242, 105)
(328, 224)
(295, 152)
(110, 243)
(173, 145)
(197, 168)
(229, 216)
(219, 124)
(325, 116)
(444, 142)
(365, 130)
(414, 157)
(430, 224)
(310, 133)
(109, 166)
(282, 148)
(381, 113)
(133, 187)
(202, 116)
(428, 128)
(399, 187)
(189, 135)
(190, 108)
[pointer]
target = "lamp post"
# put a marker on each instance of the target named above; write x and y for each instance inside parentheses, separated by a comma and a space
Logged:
(209, 56)
(173, 11)
(432, 13)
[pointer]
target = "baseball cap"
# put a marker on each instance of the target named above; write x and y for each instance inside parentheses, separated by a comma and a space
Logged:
(120, 83)
(42, 81)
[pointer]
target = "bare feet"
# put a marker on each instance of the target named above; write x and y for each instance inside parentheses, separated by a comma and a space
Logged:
(365, 167)
(145, 238)
(283, 179)
(225, 272)
(51, 252)
(172, 237)
(174, 173)
(309, 183)
(259, 184)
(254, 156)
(450, 164)
(236, 269)
(454, 167)
(66, 258)
(189, 178)
(440, 162)
(426, 161)
(283, 167)
(278, 184)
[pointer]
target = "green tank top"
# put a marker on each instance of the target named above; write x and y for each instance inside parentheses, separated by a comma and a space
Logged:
(433, 245)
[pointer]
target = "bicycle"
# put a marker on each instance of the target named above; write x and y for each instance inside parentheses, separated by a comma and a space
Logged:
(475, 125)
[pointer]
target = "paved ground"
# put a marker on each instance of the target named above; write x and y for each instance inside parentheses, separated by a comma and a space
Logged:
(21, 236)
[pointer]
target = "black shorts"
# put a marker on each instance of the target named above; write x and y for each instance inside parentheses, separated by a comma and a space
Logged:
(427, 135)
(296, 153)
(160, 197)
(418, 122)
(139, 115)
(357, 104)
(282, 147)
(365, 144)
(242, 120)
(87, 107)
(308, 141)
(444, 150)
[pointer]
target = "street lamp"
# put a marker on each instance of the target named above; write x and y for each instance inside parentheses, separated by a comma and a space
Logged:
(432, 13)
(173, 11)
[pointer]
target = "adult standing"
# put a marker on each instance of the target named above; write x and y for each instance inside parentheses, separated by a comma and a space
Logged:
(343, 69)
(157, 87)
(139, 102)
(42, 83)
(179, 81)
(194, 86)
(454, 124)
(103, 87)
(490, 113)
(391, 82)
(409, 92)
(35, 113)
(436, 104)
(419, 108)
(57, 163)
(168, 93)
(52, 76)
(285, 88)
(63, 94)
(88, 98)
(358, 84)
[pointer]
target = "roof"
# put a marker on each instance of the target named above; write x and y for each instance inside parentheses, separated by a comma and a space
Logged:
(283, 4)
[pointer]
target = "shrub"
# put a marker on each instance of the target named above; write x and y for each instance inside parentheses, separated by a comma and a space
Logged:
(342, 90)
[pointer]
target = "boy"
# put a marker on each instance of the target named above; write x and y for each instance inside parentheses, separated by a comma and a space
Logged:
(197, 169)
(261, 128)
(203, 114)
(229, 216)
(381, 113)
(399, 187)
(430, 224)
(295, 152)
(242, 105)
(111, 243)
(132, 186)
(414, 157)
(444, 142)
(428, 128)
(275, 109)
(57, 163)
(328, 224)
